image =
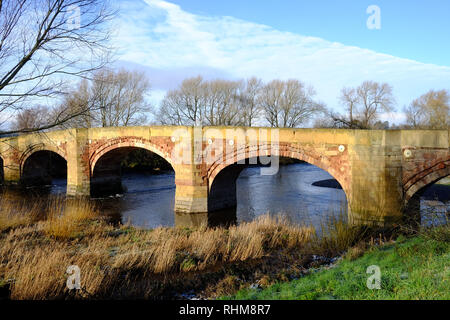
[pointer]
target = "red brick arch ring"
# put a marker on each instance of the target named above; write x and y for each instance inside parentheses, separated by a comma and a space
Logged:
(117, 143)
(40, 147)
(425, 178)
(287, 151)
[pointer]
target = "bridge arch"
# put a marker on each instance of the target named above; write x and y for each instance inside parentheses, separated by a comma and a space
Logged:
(285, 151)
(417, 187)
(130, 142)
(221, 172)
(425, 178)
(37, 148)
(42, 166)
(106, 163)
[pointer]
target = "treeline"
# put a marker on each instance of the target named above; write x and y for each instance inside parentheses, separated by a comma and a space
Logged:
(364, 104)
(120, 98)
(248, 102)
(108, 99)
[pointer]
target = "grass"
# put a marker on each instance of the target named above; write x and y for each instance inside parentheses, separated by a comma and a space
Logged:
(37, 246)
(62, 216)
(16, 212)
(65, 217)
(128, 262)
(411, 268)
(336, 236)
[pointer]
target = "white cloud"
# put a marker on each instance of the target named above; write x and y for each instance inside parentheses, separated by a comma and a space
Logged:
(173, 43)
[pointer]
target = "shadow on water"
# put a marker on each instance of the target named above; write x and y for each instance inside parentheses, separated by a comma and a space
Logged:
(302, 192)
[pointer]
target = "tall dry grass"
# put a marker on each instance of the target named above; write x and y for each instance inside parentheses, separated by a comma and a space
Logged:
(167, 250)
(127, 262)
(16, 212)
(65, 216)
(336, 236)
(110, 259)
(436, 228)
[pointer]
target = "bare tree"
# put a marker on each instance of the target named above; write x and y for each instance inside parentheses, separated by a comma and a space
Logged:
(196, 101)
(31, 118)
(414, 115)
(249, 104)
(363, 105)
(183, 106)
(120, 97)
(238, 103)
(222, 103)
(350, 99)
(45, 42)
(288, 103)
(111, 99)
(374, 98)
(271, 100)
(77, 102)
(429, 111)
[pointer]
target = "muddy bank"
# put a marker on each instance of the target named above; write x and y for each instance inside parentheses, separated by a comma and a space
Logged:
(329, 183)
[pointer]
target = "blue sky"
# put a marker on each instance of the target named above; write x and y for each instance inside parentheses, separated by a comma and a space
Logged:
(413, 29)
(324, 43)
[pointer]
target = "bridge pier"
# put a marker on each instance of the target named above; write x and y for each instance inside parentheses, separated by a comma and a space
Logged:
(11, 162)
(11, 173)
(375, 194)
(191, 194)
(78, 170)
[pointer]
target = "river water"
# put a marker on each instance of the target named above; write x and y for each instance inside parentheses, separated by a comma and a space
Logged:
(148, 201)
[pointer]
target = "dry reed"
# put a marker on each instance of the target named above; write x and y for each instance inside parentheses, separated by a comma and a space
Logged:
(35, 257)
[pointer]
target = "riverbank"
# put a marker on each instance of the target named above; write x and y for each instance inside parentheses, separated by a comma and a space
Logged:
(123, 262)
(410, 269)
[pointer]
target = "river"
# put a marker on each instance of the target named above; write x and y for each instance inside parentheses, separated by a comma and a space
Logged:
(148, 201)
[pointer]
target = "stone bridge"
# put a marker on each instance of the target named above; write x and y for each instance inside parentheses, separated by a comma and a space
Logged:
(380, 171)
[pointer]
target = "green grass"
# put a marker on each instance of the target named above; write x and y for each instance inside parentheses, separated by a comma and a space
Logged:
(415, 268)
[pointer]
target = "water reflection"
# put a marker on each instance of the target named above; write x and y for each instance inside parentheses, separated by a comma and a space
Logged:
(148, 200)
(289, 192)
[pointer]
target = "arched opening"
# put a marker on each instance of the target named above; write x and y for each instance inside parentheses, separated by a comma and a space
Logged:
(133, 184)
(303, 192)
(430, 204)
(45, 168)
